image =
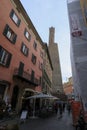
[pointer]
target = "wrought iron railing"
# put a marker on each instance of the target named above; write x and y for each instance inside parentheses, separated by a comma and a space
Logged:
(25, 75)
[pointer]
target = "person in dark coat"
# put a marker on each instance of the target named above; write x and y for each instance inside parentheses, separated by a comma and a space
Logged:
(60, 109)
(56, 107)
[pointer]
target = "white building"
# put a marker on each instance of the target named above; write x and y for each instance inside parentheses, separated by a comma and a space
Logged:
(78, 30)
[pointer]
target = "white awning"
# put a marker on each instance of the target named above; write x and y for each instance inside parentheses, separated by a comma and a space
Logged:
(29, 89)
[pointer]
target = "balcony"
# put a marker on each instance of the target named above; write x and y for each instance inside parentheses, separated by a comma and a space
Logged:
(24, 76)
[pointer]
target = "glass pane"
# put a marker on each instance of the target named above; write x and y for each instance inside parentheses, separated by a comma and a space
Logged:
(15, 18)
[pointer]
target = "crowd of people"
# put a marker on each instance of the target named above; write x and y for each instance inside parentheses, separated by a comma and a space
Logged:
(60, 107)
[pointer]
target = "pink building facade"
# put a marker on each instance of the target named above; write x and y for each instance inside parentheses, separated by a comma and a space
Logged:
(21, 53)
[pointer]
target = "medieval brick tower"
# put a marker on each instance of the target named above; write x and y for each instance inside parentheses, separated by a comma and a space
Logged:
(54, 54)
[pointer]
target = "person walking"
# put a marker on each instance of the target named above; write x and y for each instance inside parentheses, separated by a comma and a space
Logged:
(69, 108)
(63, 106)
(56, 107)
(60, 109)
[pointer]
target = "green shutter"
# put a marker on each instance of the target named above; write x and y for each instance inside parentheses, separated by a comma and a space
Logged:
(19, 21)
(25, 32)
(11, 14)
(29, 37)
(0, 52)
(9, 60)
(14, 39)
(6, 29)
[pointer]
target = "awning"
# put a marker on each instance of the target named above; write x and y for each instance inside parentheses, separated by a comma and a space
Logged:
(41, 95)
(29, 89)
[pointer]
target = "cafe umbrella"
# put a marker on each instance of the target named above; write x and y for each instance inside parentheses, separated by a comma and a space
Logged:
(41, 96)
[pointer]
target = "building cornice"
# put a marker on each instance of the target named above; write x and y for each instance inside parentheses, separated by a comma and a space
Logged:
(21, 10)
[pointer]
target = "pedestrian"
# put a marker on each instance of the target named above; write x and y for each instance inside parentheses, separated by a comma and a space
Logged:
(56, 107)
(60, 109)
(69, 108)
(63, 106)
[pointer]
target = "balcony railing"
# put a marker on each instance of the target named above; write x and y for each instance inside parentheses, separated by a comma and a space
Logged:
(26, 76)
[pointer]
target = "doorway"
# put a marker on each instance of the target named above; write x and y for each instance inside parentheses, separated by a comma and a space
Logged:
(15, 97)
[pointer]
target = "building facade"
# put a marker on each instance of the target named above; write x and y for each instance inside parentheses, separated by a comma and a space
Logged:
(21, 54)
(47, 71)
(54, 54)
(68, 88)
(78, 33)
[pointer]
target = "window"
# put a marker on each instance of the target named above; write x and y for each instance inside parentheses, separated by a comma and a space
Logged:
(27, 35)
(32, 75)
(33, 59)
(40, 80)
(5, 57)
(41, 54)
(15, 18)
(9, 33)
(40, 65)
(35, 45)
(24, 49)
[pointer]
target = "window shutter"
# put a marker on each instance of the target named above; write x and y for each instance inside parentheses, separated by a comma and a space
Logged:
(0, 52)
(21, 69)
(0, 48)
(6, 29)
(12, 12)
(14, 39)
(29, 37)
(27, 52)
(32, 58)
(25, 32)
(21, 46)
(19, 21)
(8, 61)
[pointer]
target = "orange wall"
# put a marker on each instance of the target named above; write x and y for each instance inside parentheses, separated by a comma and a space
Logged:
(68, 89)
(14, 49)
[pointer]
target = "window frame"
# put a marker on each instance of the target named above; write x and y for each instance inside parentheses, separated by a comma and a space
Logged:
(13, 15)
(10, 34)
(33, 59)
(41, 54)
(5, 57)
(40, 65)
(35, 45)
(24, 49)
(27, 33)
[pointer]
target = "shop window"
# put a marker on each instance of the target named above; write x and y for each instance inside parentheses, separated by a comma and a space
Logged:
(5, 57)
(24, 49)
(15, 18)
(27, 34)
(9, 34)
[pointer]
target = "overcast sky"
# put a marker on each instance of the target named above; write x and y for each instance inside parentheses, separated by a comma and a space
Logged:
(52, 13)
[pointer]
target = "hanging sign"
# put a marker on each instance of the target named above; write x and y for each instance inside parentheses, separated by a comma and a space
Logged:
(75, 25)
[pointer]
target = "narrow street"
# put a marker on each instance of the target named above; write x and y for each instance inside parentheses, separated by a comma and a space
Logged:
(50, 123)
